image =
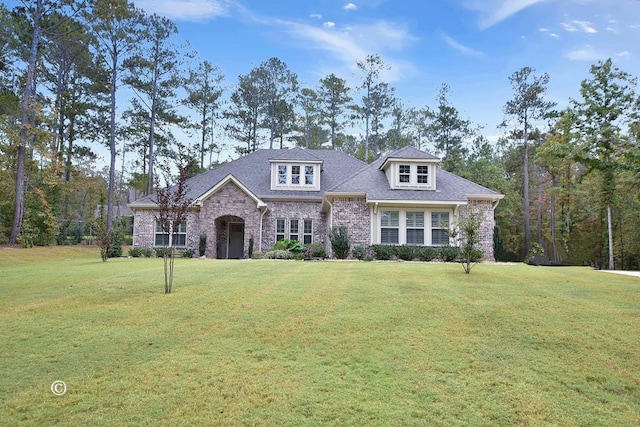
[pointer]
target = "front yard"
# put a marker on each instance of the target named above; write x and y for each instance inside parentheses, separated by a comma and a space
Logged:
(291, 343)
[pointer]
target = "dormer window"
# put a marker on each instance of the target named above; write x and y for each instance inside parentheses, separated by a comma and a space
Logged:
(411, 175)
(295, 176)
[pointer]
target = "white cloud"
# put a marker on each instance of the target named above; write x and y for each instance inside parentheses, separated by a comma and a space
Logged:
(495, 11)
(578, 25)
(350, 6)
(465, 50)
(186, 10)
(549, 32)
(587, 53)
(315, 16)
(329, 24)
(625, 54)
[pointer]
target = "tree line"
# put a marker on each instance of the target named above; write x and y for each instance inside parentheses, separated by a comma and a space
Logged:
(569, 176)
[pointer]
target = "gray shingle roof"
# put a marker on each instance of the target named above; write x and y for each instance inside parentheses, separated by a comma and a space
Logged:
(341, 173)
(254, 172)
(373, 181)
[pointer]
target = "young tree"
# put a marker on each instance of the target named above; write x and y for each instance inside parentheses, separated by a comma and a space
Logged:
(203, 93)
(115, 25)
(333, 95)
(608, 102)
(173, 209)
(526, 107)
(469, 238)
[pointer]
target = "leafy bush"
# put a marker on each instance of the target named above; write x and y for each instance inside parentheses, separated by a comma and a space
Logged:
(315, 250)
(278, 254)
(202, 244)
(288, 245)
(383, 252)
(427, 253)
(360, 252)
(162, 251)
(135, 252)
(188, 253)
(339, 239)
(251, 243)
(257, 255)
(407, 252)
(449, 253)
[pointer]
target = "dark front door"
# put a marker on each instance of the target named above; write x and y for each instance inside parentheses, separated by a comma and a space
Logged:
(236, 240)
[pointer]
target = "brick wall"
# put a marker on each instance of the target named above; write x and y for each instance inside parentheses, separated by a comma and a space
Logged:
(144, 223)
(353, 213)
(483, 208)
(292, 210)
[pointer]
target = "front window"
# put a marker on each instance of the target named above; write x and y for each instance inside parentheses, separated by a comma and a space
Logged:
(280, 229)
(295, 175)
(307, 232)
(282, 174)
(294, 230)
(423, 174)
(440, 228)
(415, 228)
(405, 173)
(308, 175)
(177, 238)
(389, 227)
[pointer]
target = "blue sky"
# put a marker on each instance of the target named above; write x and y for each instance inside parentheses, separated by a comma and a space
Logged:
(472, 45)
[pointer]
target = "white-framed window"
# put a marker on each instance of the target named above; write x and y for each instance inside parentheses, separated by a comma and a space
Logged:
(412, 226)
(307, 231)
(280, 229)
(439, 228)
(308, 175)
(404, 174)
(389, 227)
(414, 176)
(415, 228)
(289, 176)
(177, 237)
(294, 230)
(422, 174)
(282, 174)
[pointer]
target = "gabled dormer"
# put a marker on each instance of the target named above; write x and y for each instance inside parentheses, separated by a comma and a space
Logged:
(410, 168)
(296, 169)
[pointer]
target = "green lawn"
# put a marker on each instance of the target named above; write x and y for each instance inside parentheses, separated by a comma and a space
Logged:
(293, 343)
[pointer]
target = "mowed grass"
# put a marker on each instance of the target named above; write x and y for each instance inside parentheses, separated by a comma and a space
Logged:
(293, 343)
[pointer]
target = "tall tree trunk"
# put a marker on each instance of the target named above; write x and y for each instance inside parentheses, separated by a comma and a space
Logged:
(539, 207)
(112, 142)
(526, 213)
(552, 221)
(610, 237)
(29, 91)
(152, 126)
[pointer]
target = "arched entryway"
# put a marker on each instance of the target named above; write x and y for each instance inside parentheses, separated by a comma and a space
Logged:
(230, 237)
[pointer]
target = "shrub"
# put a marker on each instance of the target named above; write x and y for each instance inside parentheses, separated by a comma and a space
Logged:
(117, 239)
(427, 253)
(449, 253)
(383, 252)
(257, 255)
(277, 254)
(407, 252)
(288, 245)
(135, 252)
(339, 238)
(251, 246)
(360, 252)
(315, 250)
(162, 251)
(188, 253)
(202, 244)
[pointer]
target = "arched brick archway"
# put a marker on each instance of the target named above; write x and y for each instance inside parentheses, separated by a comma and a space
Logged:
(230, 237)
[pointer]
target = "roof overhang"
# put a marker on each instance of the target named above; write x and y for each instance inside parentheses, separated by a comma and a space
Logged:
(330, 195)
(396, 202)
(492, 197)
(390, 160)
(226, 180)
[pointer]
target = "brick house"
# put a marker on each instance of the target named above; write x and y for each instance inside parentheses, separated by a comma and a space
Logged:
(402, 198)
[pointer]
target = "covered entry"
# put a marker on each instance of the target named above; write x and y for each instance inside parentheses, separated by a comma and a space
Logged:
(230, 237)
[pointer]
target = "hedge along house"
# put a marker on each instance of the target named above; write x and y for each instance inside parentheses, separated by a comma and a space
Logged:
(299, 194)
